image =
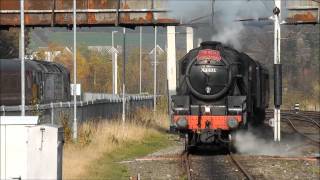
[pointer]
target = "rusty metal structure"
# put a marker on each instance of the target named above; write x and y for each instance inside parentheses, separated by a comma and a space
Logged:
(90, 13)
(303, 11)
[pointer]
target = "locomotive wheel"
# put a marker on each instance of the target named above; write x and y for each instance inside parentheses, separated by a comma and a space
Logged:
(189, 142)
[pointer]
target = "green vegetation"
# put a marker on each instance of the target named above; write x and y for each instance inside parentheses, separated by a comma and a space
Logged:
(108, 167)
(102, 144)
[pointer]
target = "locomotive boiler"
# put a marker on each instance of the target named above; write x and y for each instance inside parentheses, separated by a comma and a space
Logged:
(45, 82)
(219, 91)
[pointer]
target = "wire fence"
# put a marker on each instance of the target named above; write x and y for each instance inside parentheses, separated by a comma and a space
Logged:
(110, 107)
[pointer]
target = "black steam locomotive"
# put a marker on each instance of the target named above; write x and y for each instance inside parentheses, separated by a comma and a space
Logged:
(219, 90)
(45, 82)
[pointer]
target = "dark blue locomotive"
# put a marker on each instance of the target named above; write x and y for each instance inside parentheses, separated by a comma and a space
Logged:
(219, 90)
(45, 82)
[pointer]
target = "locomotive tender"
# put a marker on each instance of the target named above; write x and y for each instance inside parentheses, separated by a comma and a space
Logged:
(219, 91)
(45, 82)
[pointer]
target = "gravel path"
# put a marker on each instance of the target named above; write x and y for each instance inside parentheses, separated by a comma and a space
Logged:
(163, 164)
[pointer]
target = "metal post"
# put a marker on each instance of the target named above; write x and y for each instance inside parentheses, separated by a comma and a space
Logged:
(22, 51)
(52, 113)
(155, 71)
(140, 63)
(212, 11)
(124, 78)
(199, 42)
(171, 65)
(116, 72)
(189, 37)
(114, 67)
(75, 133)
(277, 71)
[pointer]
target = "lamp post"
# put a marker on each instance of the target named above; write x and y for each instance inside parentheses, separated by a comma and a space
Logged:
(140, 62)
(277, 71)
(22, 50)
(114, 66)
(155, 71)
(124, 78)
(75, 70)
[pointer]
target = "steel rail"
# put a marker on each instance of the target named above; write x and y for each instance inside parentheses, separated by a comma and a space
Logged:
(303, 116)
(300, 133)
(306, 120)
(186, 163)
(240, 167)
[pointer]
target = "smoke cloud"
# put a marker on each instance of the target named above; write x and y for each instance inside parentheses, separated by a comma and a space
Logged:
(223, 26)
(251, 143)
(229, 34)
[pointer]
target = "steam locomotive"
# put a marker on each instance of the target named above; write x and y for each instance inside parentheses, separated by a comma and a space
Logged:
(219, 91)
(45, 82)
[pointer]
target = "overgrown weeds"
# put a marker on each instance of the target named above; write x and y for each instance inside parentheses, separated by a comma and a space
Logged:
(96, 138)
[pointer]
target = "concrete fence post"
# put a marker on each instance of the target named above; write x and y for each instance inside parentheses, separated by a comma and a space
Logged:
(52, 113)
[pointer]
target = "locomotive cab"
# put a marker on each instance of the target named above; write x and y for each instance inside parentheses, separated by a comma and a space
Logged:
(215, 93)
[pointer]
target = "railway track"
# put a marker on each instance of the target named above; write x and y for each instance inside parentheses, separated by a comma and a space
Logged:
(314, 115)
(224, 166)
(231, 166)
(240, 166)
(303, 123)
(303, 134)
(186, 163)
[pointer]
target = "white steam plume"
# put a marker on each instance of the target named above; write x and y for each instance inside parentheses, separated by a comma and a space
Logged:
(223, 28)
(229, 34)
(250, 143)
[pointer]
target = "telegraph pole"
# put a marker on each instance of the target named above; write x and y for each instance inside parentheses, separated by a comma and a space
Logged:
(155, 71)
(124, 78)
(277, 71)
(171, 67)
(75, 127)
(114, 66)
(140, 63)
(22, 51)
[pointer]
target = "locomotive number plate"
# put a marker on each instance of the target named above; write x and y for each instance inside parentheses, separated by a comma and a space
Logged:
(209, 54)
(208, 69)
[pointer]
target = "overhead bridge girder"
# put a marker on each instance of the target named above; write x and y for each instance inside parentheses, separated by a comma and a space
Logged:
(42, 13)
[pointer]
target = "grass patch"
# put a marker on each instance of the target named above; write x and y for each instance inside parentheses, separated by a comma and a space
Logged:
(102, 144)
(108, 167)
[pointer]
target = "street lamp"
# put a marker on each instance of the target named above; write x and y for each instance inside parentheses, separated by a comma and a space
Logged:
(114, 66)
(155, 71)
(22, 54)
(140, 63)
(75, 126)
